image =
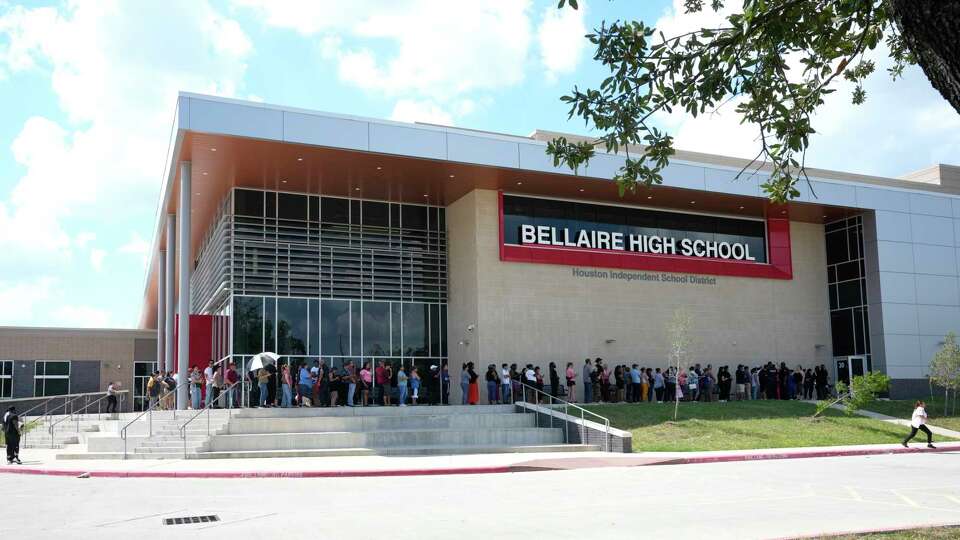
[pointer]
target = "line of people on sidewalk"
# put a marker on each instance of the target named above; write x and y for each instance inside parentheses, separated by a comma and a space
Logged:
(602, 383)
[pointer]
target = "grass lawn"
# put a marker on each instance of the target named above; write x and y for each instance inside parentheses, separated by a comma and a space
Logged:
(742, 425)
(903, 408)
(937, 533)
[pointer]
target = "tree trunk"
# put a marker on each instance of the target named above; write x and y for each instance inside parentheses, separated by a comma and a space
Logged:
(931, 28)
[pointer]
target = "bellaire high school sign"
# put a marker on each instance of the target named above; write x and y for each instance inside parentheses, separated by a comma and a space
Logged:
(549, 231)
(543, 235)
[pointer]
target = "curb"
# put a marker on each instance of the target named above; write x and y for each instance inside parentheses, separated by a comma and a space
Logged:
(502, 469)
(804, 454)
(32, 471)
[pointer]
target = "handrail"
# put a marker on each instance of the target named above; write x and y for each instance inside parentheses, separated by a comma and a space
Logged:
(206, 409)
(149, 411)
(75, 415)
(566, 406)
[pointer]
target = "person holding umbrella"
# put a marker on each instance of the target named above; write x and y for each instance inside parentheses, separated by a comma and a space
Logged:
(12, 427)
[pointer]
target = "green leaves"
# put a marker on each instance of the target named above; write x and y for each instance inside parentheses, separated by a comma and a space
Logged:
(746, 61)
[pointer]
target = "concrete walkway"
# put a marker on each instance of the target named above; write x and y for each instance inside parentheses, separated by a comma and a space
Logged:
(44, 462)
(906, 423)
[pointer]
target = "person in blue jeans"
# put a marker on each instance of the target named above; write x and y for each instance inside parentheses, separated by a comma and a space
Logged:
(465, 383)
(287, 387)
(263, 380)
(402, 386)
(493, 379)
(587, 383)
(305, 384)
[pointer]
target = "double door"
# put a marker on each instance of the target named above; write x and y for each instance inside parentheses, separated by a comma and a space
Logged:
(851, 366)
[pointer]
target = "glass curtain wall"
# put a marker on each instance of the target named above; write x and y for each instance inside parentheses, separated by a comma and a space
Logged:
(847, 287)
(339, 279)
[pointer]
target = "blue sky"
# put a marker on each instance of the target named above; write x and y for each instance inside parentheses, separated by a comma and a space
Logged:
(88, 89)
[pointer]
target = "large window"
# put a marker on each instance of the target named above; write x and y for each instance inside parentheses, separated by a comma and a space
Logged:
(847, 288)
(247, 325)
(310, 328)
(51, 379)
(6, 378)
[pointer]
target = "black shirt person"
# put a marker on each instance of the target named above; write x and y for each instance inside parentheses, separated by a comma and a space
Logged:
(11, 432)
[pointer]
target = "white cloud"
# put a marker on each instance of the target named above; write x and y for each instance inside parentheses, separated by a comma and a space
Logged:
(96, 258)
(115, 68)
(21, 298)
(561, 40)
(437, 50)
(81, 317)
(82, 239)
(408, 110)
(907, 123)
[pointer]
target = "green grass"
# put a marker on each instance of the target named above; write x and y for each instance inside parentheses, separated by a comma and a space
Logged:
(742, 425)
(934, 533)
(903, 408)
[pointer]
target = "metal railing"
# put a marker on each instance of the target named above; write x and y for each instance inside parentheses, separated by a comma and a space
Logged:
(551, 404)
(206, 410)
(149, 412)
(77, 415)
(45, 405)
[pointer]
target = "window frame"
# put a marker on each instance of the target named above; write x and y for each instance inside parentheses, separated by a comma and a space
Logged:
(40, 380)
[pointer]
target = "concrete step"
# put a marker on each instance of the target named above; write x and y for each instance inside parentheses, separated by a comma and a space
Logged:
(388, 439)
(119, 455)
(297, 412)
(316, 424)
(398, 451)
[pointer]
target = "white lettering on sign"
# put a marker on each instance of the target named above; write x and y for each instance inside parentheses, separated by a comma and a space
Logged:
(544, 235)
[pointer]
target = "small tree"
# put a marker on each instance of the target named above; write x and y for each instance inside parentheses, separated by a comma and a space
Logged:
(862, 391)
(945, 369)
(681, 341)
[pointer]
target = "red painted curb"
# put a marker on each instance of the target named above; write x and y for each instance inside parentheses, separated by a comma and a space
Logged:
(515, 468)
(260, 474)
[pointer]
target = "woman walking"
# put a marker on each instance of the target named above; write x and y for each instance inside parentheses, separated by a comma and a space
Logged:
(919, 422)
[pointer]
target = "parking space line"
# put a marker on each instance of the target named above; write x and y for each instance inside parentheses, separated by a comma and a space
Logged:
(853, 493)
(905, 499)
(953, 499)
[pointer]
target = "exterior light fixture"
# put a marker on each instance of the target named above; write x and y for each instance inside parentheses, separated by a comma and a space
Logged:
(693, 202)
(649, 197)
(581, 190)
(299, 159)
(741, 208)
(451, 176)
(204, 173)
(379, 168)
(212, 149)
(519, 183)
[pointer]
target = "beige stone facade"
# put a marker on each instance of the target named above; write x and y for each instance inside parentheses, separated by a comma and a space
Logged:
(97, 356)
(538, 313)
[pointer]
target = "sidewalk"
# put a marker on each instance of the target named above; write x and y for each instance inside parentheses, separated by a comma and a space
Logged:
(44, 462)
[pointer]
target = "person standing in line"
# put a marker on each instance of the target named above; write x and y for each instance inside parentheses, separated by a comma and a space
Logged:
(444, 383)
(366, 380)
(414, 385)
(740, 379)
(693, 384)
(333, 384)
(169, 387)
(263, 380)
(724, 381)
(12, 428)
(402, 386)
(671, 384)
(208, 382)
(286, 387)
(808, 384)
(822, 382)
(112, 396)
(918, 421)
(465, 385)
(217, 387)
(571, 376)
(378, 376)
(388, 384)
(658, 385)
(505, 393)
(706, 383)
(633, 394)
(604, 381)
(230, 379)
(351, 380)
(473, 386)
(323, 384)
(492, 381)
(554, 380)
(644, 384)
(587, 384)
(754, 383)
(681, 384)
(196, 386)
(305, 386)
(618, 384)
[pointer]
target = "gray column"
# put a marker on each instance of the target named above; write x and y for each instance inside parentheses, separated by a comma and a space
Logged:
(161, 306)
(183, 248)
(170, 303)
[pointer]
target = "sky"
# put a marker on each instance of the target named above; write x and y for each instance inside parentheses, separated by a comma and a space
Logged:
(88, 90)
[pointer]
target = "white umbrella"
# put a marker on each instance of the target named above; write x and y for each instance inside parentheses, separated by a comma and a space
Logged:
(262, 359)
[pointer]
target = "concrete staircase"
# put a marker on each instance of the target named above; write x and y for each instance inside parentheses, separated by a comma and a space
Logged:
(64, 433)
(346, 431)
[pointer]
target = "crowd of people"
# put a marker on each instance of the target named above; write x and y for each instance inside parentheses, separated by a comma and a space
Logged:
(605, 383)
(387, 383)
